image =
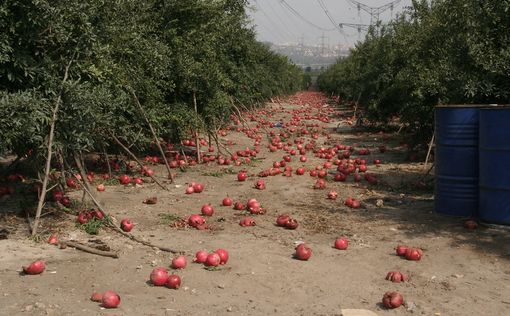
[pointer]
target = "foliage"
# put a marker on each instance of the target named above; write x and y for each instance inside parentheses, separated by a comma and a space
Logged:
(164, 54)
(437, 52)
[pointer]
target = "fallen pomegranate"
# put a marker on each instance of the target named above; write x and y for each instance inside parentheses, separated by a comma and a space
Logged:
(189, 190)
(413, 254)
(227, 201)
(35, 267)
(392, 299)
(397, 277)
(213, 260)
(124, 179)
(200, 256)
(198, 187)
(291, 224)
(179, 262)
(332, 195)
(223, 254)
(471, 224)
(110, 299)
(247, 221)
(303, 252)
(207, 210)
(401, 250)
(196, 221)
(260, 185)
(159, 276)
(100, 187)
(126, 225)
(53, 240)
(242, 176)
(341, 243)
(96, 297)
(282, 220)
(173, 281)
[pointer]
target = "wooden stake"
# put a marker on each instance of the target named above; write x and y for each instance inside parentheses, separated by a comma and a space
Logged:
(156, 139)
(197, 143)
(40, 204)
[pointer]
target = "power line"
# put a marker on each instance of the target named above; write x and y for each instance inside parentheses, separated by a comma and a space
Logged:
(296, 13)
(275, 25)
(288, 29)
(325, 9)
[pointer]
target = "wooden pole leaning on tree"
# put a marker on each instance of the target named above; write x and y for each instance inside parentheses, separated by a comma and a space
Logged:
(137, 101)
(136, 159)
(197, 142)
(51, 135)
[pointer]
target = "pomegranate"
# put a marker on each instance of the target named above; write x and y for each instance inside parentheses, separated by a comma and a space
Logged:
(57, 195)
(82, 218)
(303, 252)
(260, 185)
(396, 277)
(247, 221)
(239, 206)
(179, 262)
(53, 240)
(341, 243)
(198, 187)
(100, 187)
(332, 195)
(282, 220)
(401, 250)
(471, 224)
(174, 281)
(242, 176)
(96, 297)
(200, 256)
(35, 267)
(207, 210)
(138, 181)
(292, 224)
(392, 299)
(71, 183)
(414, 254)
(300, 171)
(320, 184)
(190, 190)
(159, 276)
(110, 299)
(213, 260)
(196, 221)
(356, 204)
(66, 201)
(124, 179)
(127, 225)
(227, 201)
(303, 159)
(223, 255)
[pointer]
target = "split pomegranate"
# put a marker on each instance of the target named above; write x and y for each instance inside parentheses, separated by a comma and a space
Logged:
(320, 184)
(282, 220)
(239, 206)
(173, 282)
(332, 195)
(303, 252)
(396, 277)
(260, 185)
(53, 240)
(291, 224)
(110, 299)
(159, 276)
(392, 299)
(247, 221)
(96, 297)
(35, 267)
(179, 262)
(196, 221)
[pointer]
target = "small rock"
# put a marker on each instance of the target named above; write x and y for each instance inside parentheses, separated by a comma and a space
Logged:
(40, 305)
(458, 276)
(411, 306)
(220, 286)
(357, 312)
(229, 309)
(379, 203)
(28, 308)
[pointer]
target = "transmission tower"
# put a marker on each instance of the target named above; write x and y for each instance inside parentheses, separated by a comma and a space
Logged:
(374, 12)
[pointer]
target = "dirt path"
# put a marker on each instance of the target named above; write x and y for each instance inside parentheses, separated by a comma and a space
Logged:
(462, 272)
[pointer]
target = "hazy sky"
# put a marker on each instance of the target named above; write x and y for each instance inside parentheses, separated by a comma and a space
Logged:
(286, 21)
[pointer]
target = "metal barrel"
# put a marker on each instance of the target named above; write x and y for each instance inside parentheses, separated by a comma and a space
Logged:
(494, 149)
(456, 160)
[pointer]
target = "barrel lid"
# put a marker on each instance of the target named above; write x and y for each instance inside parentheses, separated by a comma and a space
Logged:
(497, 107)
(465, 105)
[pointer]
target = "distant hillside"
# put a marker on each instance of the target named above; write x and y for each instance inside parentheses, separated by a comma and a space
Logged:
(315, 57)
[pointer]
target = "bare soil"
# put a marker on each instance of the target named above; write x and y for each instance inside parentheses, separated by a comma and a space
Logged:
(462, 272)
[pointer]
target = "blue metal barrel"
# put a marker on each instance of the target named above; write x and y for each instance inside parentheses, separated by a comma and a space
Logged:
(495, 164)
(456, 160)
